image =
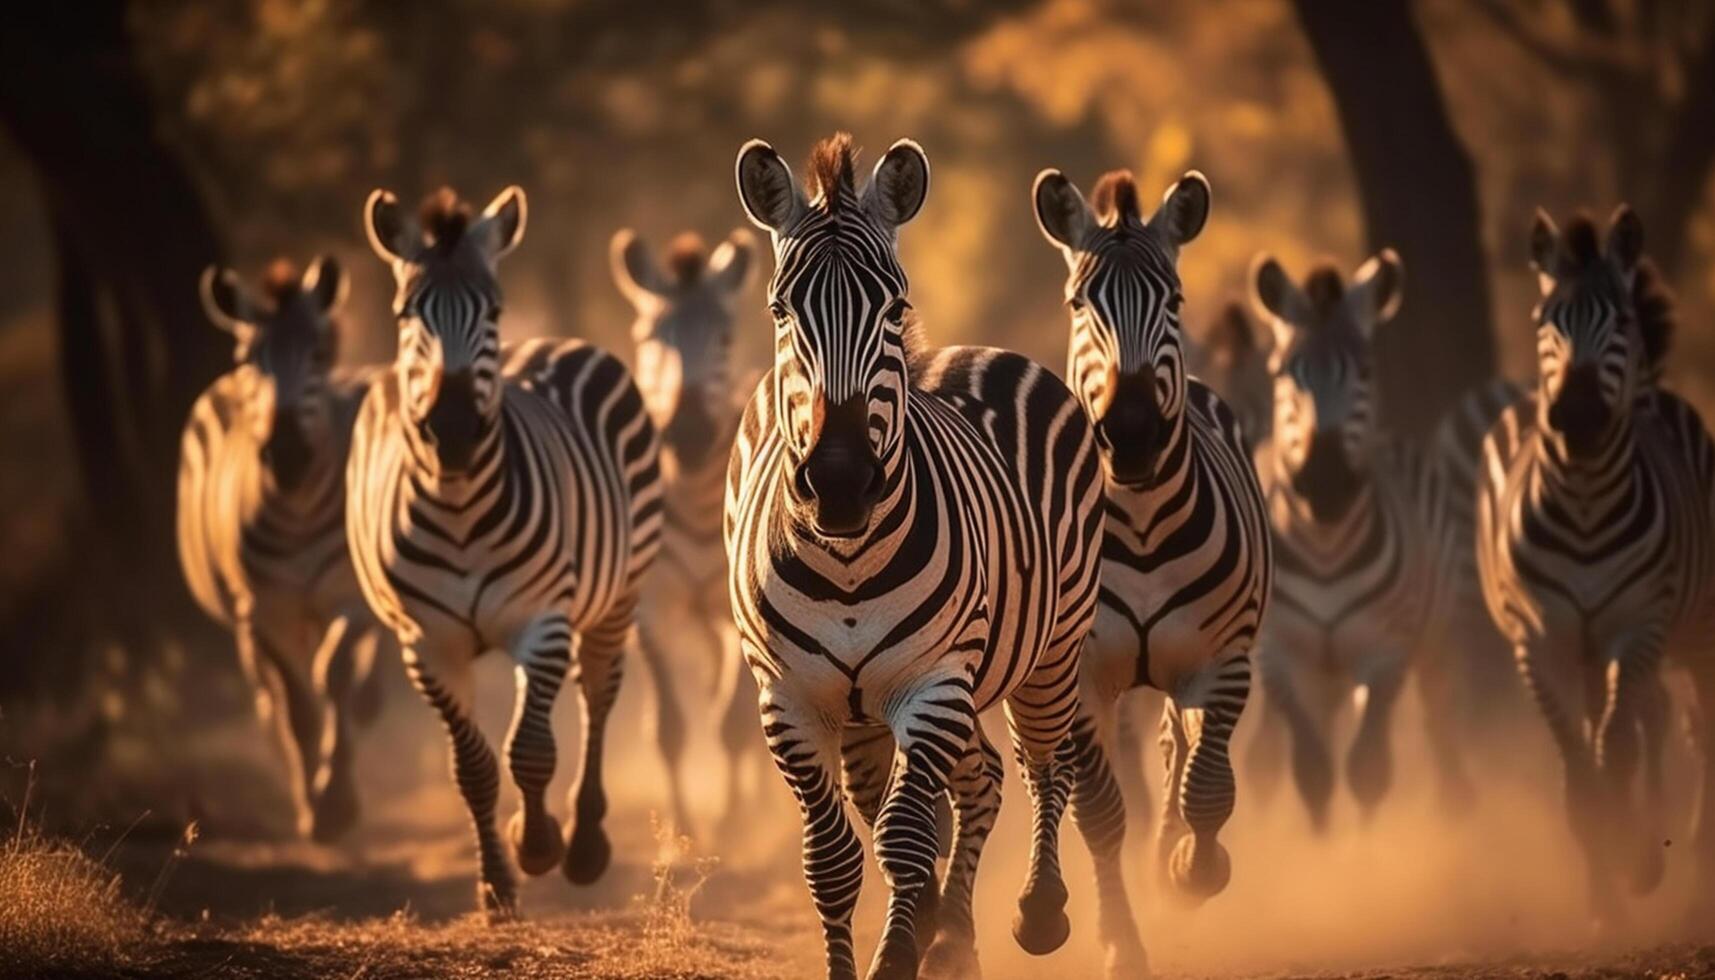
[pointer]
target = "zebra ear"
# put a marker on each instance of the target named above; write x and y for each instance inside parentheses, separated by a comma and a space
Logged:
(899, 184)
(1544, 250)
(1061, 212)
(634, 269)
(1625, 246)
(1377, 289)
(224, 301)
(386, 225)
(1277, 298)
(1184, 209)
(730, 265)
(503, 221)
(770, 196)
(326, 284)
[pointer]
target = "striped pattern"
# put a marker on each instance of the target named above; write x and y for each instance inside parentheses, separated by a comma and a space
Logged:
(261, 528)
(1186, 558)
(501, 497)
(1596, 546)
(1354, 516)
(913, 541)
(684, 332)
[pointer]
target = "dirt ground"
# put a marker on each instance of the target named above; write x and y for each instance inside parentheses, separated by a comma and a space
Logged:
(1493, 892)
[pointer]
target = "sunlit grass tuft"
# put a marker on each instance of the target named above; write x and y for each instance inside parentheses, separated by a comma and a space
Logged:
(60, 911)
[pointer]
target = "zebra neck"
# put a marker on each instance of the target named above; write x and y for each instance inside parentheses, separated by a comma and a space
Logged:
(1292, 509)
(1588, 479)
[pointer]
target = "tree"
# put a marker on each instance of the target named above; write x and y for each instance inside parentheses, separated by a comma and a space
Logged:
(1418, 192)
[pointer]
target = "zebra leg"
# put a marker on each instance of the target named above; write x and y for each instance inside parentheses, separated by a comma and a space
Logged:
(669, 717)
(368, 682)
(1702, 911)
(975, 787)
(444, 678)
(805, 747)
(737, 699)
(1445, 717)
(931, 730)
(269, 689)
(601, 649)
(1556, 680)
(1201, 788)
(866, 771)
(1312, 763)
(1265, 753)
(542, 653)
(1654, 714)
(334, 787)
(280, 646)
(1040, 715)
(1099, 811)
(1631, 676)
(1127, 758)
(1369, 761)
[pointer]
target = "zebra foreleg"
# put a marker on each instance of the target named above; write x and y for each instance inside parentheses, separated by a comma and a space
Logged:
(290, 707)
(1099, 811)
(669, 716)
(444, 678)
(805, 748)
(1040, 716)
(1312, 763)
(1202, 720)
(334, 789)
(600, 660)
(1369, 761)
(542, 654)
(976, 785)
(1126, 760)
(931, 729)
(1631, 708)
(1701, 918)
(1445, 716)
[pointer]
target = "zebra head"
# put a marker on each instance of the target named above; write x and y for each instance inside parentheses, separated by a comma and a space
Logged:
(448, 306)
(684, 332)
(842, 325)
(1323, 366)
(1591, 354)
(287, 342)
(1127, 358)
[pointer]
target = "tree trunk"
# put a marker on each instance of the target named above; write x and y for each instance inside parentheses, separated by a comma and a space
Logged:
(132, 237)
(1419, 196)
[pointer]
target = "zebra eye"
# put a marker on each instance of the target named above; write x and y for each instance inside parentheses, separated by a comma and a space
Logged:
(1077, 304)
(1175, 303)
(896, 313)
(493, 314)
(778, 312)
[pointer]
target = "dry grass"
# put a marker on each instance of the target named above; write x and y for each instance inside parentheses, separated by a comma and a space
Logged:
(60, 911)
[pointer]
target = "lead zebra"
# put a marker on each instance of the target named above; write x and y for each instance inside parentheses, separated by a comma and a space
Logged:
(913, 536)
(1186, 556)
(261, 526)
(683, 334)
(1358, 551)
(1597, 549)
(501, 496)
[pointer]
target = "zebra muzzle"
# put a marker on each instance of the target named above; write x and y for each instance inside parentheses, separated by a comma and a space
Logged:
(1579, 413)
(287, 452)
(841, 478)
(454, 423)
(1133, 431)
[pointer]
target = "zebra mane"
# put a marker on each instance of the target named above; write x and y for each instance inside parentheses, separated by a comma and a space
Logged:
(1114, 199)
(281, 281)
(1324, 287)
(831, 170)
(444, 218)
(1580, 243)
(1652, 303)
(916, 344)
(686, 257)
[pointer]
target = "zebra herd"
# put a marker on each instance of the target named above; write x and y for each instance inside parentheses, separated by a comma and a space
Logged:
(903, 536)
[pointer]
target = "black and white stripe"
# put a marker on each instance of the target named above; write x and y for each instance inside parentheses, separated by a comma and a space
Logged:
(913, 538)
(1186, 557)
(684, 334)
(1596, 547)
(261, 527)
(1354, 519)
(501, 497)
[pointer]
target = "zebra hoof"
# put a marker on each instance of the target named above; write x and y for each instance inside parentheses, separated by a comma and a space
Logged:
(1041, 926)
(926, 916)
(499, 901)
(538, 852)
(1199, 868)
(334, 814)
(1125, 963)
(587, 854)
(951, 957)
(896, 960)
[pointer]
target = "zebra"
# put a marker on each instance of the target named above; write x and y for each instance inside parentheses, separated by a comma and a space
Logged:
(1228, 358)
(502, 495)
(683, 332)
(1354, 515)
(1596, 545)
(261, 510)
(1186, 556)
(913, 540)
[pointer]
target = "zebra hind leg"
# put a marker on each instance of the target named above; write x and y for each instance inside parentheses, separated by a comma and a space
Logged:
(542, 655)
(1202, 793)
(805, 750)
(446, 683)
(1099, 811)
(600, 652)
(975, 786)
